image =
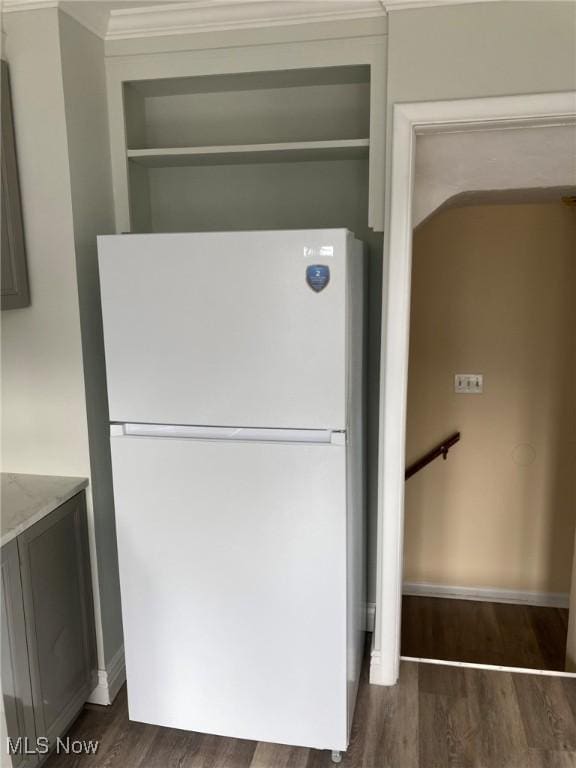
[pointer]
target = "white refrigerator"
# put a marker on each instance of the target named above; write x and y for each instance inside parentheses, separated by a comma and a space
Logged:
(235, 383)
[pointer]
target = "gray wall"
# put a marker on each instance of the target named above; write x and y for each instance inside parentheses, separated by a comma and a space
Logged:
(53, 396)
(83, 75)
(484, 49)
(43, 405)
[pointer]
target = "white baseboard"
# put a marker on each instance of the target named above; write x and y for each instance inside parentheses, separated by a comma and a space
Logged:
(381, 672)
(375, 668)
(488, 594)
(110, 680)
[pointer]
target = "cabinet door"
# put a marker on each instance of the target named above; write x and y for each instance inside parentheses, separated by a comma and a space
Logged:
(15, 671)
(54, 563)
(15, 293)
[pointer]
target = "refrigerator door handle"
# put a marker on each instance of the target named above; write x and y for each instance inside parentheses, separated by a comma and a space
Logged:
(323, 436)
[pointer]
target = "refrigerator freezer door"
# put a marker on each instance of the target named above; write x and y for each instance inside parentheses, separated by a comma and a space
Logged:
(226, 328)
(233, 575)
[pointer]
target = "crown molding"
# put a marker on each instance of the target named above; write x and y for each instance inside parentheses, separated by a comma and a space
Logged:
(27, 5)
(224, 15)
(92, 15)
(194, 16)
(219, 15)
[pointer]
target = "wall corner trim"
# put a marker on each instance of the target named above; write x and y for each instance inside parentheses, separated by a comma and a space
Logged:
(110, 680)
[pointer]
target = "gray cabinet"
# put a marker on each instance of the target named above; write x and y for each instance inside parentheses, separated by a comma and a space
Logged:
(15, 292)
(15, 670)
(52, 662)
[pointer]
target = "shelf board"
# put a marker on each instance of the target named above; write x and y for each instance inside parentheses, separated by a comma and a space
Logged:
(293, 151)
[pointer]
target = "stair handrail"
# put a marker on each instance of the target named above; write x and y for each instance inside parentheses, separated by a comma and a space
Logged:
(440, 450)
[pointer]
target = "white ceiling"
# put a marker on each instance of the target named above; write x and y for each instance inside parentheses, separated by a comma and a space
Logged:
(481, 165)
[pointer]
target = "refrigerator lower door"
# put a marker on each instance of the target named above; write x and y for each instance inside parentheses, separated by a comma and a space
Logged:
(233, 575)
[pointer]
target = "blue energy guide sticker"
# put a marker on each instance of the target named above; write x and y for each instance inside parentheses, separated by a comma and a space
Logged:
(317, 276)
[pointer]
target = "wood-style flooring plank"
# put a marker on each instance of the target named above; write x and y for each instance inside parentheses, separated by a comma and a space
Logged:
(569, 689)
(499, 737)
(279, 755)
(385, 731)
(484, 633)
(446, 731)
(471, 631)
(539, 759)
(546, 713)
(550, 626)
(519, 635)
(436, 717)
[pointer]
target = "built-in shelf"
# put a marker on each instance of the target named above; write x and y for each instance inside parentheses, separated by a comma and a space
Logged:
(343, 149)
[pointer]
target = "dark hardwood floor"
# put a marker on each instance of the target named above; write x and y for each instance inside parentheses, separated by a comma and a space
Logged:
(436, 717)
(484, 633)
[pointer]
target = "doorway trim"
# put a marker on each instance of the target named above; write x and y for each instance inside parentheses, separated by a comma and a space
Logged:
(408, 121)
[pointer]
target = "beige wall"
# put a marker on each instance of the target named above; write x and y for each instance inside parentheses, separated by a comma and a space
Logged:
(494, 292)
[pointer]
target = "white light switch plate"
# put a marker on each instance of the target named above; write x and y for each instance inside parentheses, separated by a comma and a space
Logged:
(468, 383)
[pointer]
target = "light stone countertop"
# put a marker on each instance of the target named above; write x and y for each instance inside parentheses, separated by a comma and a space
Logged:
(28, 498)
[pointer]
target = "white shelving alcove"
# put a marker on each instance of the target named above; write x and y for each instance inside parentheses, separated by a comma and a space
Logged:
(282, 136)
